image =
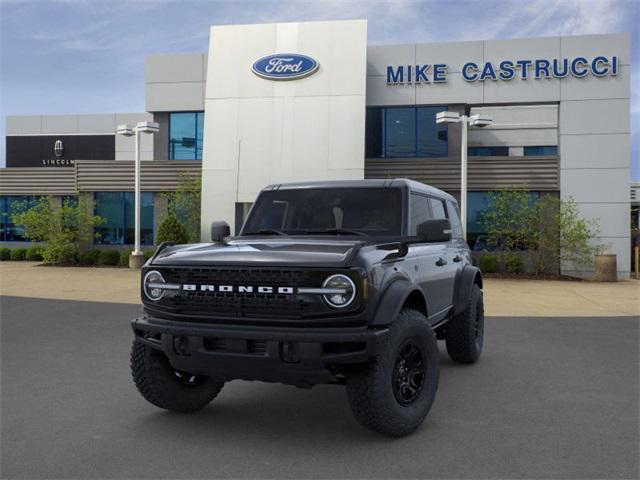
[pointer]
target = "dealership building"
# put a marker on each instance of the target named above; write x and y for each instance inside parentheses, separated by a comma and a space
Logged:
(272, 103)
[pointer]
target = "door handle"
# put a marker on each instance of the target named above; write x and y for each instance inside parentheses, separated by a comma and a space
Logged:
(457, 258)
(441, 262)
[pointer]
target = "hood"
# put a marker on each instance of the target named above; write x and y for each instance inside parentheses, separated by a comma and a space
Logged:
(263, 252)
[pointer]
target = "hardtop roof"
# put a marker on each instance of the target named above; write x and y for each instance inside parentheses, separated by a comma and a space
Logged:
(368, 183)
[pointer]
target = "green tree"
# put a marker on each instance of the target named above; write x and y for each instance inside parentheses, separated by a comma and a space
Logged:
(63, 227)
(509, 219)
(184, 203)
(171, 230)
(551, 229)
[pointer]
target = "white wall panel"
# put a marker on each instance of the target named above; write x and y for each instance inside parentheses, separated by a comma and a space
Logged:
(593, 45)
(455, 90)
(381, 94)
(58, 124)
(379, 56)
(174, 97)
(174, 68)
(23, 125)
(596, 185)
(259, 131)
(453, 54)
(595, 151)
(521, 49)
(612, 219)
(591, 87)
(520, 91)
(594, 117)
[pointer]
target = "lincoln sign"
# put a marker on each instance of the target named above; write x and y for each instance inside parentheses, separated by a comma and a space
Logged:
(506, 70)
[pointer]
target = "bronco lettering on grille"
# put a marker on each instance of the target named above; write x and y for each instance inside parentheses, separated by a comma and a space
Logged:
(192, 287)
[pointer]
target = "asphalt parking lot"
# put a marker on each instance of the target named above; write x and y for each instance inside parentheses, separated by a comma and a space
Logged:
(550, 398)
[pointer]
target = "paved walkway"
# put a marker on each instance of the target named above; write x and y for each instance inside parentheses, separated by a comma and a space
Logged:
(510, 298)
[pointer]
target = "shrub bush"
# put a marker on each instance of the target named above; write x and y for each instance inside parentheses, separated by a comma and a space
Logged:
(5, 254)
(148, 254)
(514, 264)
(90, 257)
(109, 257)
(18, 254)
(64, 228)
(61, 254)
(34, 254)
(171, 230)
(489, 263)
(124, 258)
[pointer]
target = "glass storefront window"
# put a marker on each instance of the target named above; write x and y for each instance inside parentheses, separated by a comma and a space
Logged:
(185, 135)
(488, 151)
(396, 132)
(400, 131)
(432, 137)
(10, 232)
(541, 151)
(117, 209)
(477, 203)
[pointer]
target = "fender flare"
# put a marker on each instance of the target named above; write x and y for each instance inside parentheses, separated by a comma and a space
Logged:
(465, 279)
(392, 300)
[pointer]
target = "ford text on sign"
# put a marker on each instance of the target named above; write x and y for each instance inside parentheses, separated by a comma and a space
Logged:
(285, 66)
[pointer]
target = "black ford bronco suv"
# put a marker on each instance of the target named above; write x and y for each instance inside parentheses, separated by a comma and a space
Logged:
(348, 282)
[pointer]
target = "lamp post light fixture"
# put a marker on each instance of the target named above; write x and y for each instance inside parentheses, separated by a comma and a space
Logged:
(477, 120)
(136, 258)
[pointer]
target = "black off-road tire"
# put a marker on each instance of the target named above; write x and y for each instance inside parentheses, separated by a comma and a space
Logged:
(372, 388)
(464, 334)
(161, 385)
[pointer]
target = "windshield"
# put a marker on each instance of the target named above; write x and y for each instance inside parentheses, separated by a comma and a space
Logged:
(335, 211)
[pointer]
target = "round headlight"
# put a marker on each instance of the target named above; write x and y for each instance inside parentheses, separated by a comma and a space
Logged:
(151, 281)
(343, 291)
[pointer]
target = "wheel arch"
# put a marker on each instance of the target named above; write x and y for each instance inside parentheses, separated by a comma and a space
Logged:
(465, 280)
(400, 294)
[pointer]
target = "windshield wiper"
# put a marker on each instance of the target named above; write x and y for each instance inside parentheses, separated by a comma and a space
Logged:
(266, 231)
(336, 231)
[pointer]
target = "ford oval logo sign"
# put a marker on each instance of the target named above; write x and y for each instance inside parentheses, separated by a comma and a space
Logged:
(285, 66)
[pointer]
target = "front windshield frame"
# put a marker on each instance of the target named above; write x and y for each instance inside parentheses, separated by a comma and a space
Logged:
(249, 229)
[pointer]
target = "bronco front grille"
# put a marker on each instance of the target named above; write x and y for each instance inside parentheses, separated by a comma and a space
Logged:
(205, 303)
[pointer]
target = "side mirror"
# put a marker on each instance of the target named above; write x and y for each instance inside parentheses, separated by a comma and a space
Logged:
(219, 231)
(436, 230)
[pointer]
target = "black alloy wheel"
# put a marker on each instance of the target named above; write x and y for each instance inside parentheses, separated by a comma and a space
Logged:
(408, 374)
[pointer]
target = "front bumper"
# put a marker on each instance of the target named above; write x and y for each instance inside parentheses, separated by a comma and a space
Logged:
(304, 356)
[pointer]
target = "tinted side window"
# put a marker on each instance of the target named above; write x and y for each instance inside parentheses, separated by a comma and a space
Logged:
(420, 212)
(437, 206)
(454, 216)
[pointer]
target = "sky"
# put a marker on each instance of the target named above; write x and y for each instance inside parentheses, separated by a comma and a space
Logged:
(87, 56)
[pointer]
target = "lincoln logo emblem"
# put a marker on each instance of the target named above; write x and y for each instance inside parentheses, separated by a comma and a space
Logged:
(58, 148)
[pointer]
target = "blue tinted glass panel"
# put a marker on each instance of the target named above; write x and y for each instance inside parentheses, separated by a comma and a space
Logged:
(400, 132)
(551, 150)
(185, 135)
(109, 207)
(532, 151)
(432, 138)
(538, 151)
(199, 134)
(117, 209)
(9, 206)
(374, 133)
(146, 218)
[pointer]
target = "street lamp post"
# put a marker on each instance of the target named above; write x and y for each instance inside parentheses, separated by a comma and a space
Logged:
(477, 120)
(136, 258)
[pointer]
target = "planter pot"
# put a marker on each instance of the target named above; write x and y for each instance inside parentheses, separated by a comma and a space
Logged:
(606, 268)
